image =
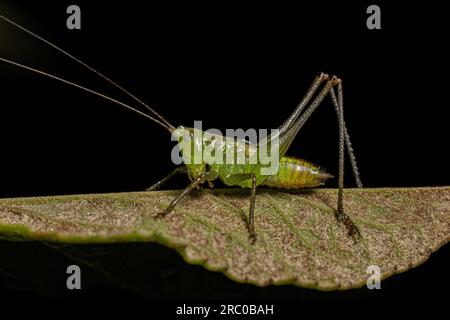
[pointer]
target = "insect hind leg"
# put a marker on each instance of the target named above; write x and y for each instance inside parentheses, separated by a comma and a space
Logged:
(289, 134)
(348, 144)
(341, 216)
(319, 79)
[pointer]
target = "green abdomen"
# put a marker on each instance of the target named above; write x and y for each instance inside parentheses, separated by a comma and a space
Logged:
(294, 173)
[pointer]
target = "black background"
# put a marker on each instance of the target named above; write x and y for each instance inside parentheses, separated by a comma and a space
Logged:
(232, 66)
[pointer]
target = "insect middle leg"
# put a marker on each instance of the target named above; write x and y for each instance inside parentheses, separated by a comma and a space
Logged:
(235, 179)
(197, 181)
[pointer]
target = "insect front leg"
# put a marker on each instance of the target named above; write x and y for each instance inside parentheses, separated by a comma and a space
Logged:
(199, 180)
(177, 170)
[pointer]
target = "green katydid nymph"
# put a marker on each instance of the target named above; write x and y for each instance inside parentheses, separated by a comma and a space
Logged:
(291, 172)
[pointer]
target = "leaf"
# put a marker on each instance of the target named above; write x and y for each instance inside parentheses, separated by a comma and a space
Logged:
(299, 241)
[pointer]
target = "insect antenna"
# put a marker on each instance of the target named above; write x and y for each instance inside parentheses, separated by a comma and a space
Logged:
(170, 129)
(91, 69)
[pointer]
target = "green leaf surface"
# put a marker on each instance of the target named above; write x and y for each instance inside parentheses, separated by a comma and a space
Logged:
(299, 240)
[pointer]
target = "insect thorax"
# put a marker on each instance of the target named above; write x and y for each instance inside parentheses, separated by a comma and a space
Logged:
(203, 151)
